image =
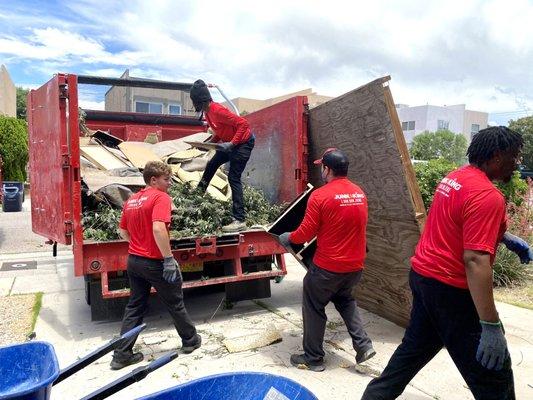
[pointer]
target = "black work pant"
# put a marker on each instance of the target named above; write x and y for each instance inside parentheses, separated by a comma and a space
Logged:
(442, 315)
(144, 273)
(238, 157)
(319, 288)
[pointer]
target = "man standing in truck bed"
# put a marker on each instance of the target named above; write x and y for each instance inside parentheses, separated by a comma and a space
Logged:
(337, 215)
(235, 144)
(144, 224)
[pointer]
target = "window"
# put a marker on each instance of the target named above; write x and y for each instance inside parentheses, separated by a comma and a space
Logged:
(174, 109)
(474, 129)
(442, 124)
(151, 108)
(408, 126)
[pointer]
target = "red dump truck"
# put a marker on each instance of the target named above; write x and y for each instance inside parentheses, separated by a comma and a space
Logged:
(244, 262)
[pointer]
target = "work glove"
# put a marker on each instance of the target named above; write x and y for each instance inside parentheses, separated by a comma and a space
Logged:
(225, 147)
(518, 246)
(492, 348)
(284, 239)
(170, 270)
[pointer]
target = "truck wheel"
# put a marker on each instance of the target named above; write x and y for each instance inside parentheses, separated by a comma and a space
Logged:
(104, 309)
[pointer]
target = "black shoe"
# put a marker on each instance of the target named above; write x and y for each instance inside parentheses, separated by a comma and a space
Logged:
(365, 355)
(187, 349)
(119, 363)
(299, 361)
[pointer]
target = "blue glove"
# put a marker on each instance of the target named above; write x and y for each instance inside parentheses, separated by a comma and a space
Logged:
(518, 246)
(492, 348)
(170, 270)
(225, 147)
(284, 239)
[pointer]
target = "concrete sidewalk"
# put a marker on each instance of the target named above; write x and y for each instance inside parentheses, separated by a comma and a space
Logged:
(65, 322)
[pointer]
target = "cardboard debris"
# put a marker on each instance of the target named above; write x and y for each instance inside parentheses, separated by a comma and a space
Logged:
(269, 336)
(102, 157)
(203, 145)
(107, 139)
(184, 155)
(96, 179)
(138, 155)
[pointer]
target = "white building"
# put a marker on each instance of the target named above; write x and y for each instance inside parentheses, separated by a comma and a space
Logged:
(455, 118)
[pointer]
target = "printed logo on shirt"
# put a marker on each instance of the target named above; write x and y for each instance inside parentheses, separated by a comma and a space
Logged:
(137, 203)
(446, 185)
(350, 199)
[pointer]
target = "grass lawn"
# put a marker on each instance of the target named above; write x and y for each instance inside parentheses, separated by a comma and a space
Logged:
(521, 296)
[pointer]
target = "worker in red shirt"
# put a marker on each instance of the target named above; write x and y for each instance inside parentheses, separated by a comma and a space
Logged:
(144, 224)
(337, 214)
(235, 144)
(451, 276)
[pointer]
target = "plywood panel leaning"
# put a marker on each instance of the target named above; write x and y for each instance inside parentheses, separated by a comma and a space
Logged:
(364, 124)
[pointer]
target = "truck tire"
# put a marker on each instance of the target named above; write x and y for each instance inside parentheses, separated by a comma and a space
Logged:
(253, 289)
(103, 309)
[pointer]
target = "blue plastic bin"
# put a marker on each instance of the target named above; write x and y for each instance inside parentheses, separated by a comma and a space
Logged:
(27, 371)
(237, 385)
(13, 196)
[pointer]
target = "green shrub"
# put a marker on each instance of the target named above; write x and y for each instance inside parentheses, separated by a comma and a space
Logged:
(514, 190)
(507, 270)
(13, 148)
(429, 175)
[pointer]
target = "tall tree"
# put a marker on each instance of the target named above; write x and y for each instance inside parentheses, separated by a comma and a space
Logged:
(441, 144)
(525, 127)
(21, 102)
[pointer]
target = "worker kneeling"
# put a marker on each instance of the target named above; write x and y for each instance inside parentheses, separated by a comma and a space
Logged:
(337, 215)
(144, 224)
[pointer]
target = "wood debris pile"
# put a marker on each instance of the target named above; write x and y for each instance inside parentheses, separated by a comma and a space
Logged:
(111, 172)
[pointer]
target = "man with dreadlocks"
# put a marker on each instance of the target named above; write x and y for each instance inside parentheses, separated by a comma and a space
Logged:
(451, 276)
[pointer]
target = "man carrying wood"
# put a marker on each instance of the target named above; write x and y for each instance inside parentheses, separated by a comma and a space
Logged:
(235, 143)
(451, 276)
(337, 215)
(144, 224)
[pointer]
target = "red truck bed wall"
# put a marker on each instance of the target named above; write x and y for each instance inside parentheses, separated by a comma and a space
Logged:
(278, 164)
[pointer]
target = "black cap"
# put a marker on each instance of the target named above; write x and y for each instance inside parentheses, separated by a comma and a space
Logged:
(199, 93)
(335, 159)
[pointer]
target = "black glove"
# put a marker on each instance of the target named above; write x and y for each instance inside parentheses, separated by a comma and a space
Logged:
(284, 239)
(171, 270)
(518, 246)
(492, 348)
(225, 147)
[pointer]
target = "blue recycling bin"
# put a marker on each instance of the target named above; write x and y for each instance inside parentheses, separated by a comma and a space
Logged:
(27, 371)
(13, 196)
(237, 385)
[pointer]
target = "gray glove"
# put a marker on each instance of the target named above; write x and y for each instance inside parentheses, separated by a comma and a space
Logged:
(225, 147)
(284, 239)
(170, 270)
(492, 348)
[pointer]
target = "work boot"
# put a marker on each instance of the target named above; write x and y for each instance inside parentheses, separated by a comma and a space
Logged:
(299, 361)
(235, 226)
(365, 355)
(119, 362)
(187, 349)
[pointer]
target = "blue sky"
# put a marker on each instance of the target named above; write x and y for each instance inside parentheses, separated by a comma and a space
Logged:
(477, 53)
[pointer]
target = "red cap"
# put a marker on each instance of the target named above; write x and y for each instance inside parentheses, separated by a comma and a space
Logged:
(319, 161)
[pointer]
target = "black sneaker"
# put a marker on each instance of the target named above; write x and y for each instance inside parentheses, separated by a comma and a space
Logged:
(365, 355)
(191, 347)
(124, 362)
(299, 361)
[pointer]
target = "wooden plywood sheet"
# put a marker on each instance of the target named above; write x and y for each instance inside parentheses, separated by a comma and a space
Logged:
(138, 155)
(101, 157)
(364, 125)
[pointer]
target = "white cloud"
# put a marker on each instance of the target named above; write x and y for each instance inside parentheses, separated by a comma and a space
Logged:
(477, 52)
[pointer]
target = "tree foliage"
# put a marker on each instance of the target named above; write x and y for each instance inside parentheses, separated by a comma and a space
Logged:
(525, 127)
(13, 148)
(21, 102)
(441, 144)
(429, 175)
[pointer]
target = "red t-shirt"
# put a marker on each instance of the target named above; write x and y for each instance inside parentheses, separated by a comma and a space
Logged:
(467, 213)
(228, 127)
(138, 215)
(337, 215)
